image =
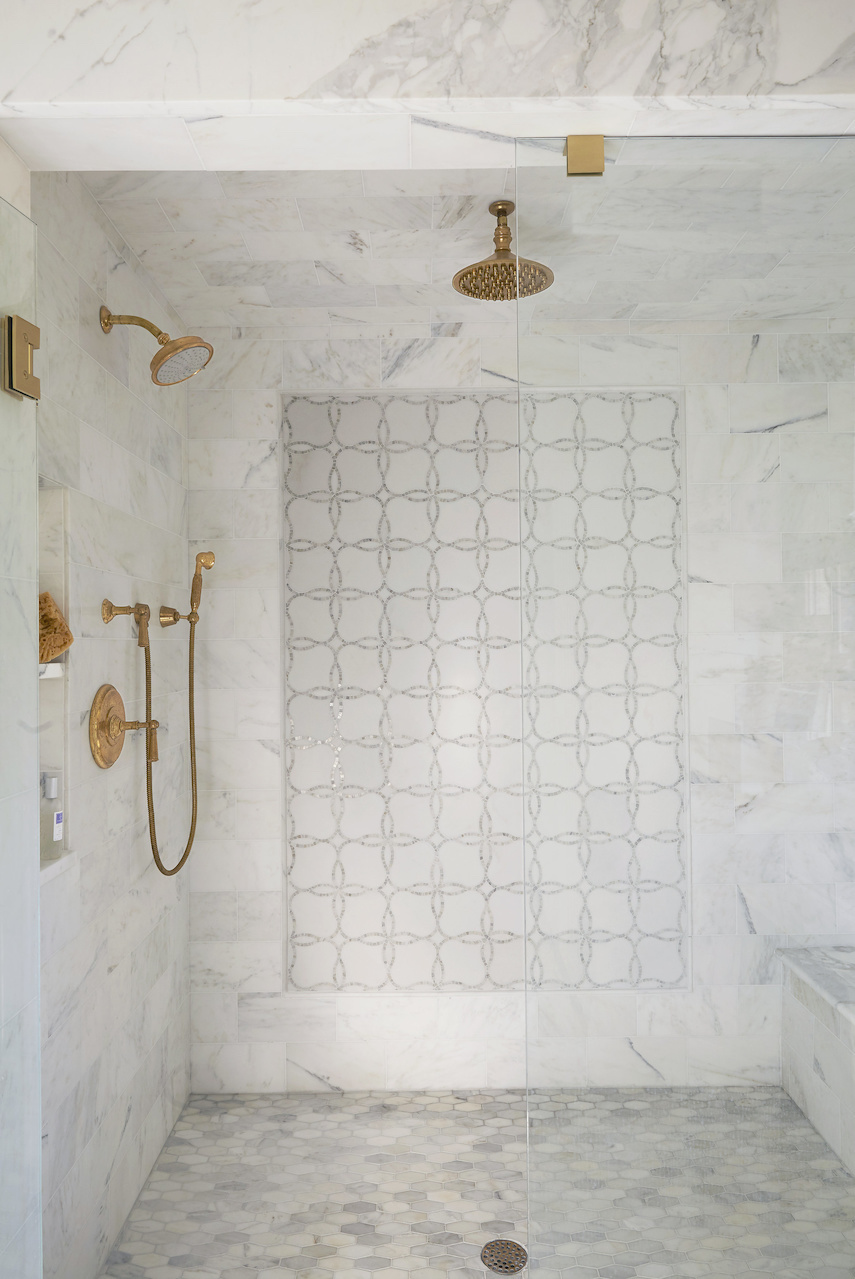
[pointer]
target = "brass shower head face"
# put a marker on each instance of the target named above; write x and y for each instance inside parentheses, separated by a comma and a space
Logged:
(503, 276)
(178, 358)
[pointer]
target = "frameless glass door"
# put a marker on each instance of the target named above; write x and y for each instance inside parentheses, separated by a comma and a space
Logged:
(687, 408)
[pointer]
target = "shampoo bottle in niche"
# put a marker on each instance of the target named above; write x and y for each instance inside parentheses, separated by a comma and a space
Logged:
(51, 818)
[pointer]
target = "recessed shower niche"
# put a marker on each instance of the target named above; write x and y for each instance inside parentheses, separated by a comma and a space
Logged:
(53, 683)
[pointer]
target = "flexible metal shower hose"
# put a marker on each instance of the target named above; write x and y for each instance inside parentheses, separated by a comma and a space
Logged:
(148, 760)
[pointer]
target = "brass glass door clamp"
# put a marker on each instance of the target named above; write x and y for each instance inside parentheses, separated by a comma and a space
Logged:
(19, 339)
(586, 154)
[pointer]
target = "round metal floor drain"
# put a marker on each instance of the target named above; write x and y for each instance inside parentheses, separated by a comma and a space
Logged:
(504, 1256)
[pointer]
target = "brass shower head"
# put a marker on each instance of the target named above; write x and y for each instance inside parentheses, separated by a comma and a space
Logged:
(178, 358)
(495, 278)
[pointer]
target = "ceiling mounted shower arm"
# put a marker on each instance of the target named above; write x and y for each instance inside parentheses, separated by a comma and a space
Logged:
(108, 320)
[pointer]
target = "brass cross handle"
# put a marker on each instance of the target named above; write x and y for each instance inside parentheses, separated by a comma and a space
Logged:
(116, 727)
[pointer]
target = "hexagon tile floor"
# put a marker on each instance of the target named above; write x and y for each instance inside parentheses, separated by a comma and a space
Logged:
(624, 1183)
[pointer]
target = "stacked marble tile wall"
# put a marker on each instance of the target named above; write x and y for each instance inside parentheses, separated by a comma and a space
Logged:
(115, 1013)
(20, 1160)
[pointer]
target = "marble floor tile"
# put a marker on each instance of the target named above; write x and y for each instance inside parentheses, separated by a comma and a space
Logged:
(624, 1183)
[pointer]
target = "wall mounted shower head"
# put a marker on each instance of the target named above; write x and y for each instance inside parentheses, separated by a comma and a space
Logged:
(178, 358)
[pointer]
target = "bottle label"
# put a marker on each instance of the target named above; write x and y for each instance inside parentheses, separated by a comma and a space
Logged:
(57, 826)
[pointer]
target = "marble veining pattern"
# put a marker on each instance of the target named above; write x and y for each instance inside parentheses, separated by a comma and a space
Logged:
(623, 1184)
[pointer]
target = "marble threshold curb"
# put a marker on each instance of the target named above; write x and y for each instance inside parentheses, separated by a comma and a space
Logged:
(338, 133)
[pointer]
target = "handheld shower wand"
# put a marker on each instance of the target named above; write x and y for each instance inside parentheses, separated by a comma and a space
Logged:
(107, 719)
(169, 617)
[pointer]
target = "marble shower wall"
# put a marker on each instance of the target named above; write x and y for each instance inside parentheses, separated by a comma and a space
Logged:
(20, 1199)
(114, 932)
(718, 272)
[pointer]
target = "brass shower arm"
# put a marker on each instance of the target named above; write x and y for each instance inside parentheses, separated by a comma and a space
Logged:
(108, 320)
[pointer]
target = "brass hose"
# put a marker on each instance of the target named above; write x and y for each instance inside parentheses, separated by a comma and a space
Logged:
(149, 759)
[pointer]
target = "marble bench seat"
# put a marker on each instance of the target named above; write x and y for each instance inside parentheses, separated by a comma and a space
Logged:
(818, 1041)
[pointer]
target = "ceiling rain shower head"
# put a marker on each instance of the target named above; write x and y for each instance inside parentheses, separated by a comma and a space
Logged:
(495, 278)
(178, 358)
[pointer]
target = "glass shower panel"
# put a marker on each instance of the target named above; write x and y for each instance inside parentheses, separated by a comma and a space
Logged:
(687, 408)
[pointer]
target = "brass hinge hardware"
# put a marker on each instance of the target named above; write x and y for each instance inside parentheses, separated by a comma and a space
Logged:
(586, 154)
(19, 339)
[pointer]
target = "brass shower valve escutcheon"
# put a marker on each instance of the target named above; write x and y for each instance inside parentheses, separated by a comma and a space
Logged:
(107, 727)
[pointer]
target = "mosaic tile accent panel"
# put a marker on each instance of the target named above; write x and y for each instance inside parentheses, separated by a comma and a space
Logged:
(624, 1183)
(402, 640)
(603, 678)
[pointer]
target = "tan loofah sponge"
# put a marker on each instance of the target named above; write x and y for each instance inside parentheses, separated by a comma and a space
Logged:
(54, 635)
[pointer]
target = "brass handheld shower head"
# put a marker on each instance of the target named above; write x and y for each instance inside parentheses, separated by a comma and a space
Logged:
(169, 616)
(177, 360)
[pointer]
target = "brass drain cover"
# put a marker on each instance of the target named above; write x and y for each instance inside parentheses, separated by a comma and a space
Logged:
(504, 1256)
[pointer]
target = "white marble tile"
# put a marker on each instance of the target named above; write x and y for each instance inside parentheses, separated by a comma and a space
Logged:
(336, 1068)
(640, 1061)
(817, 357)
(757, 408)
(644, 361)
(773, 508)
(460, 1064)
(707, 410)
(247, 966)
(288, 1018)
(734, 1059)
(577, 1014)
(339, 364)
(816, 458)
(793, 805)
(779, 707)
(729, 558)
(440, 362)
(220, 865)
(233, 464)
(712, 1011)
(716, 459)
(240, 1067)
(739, 658)
(796, 607)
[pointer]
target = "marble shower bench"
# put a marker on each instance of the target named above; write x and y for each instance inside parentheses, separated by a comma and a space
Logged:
(818, 1041)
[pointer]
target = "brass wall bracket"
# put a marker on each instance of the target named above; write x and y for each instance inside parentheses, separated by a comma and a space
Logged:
(19, 339)
(586, 154)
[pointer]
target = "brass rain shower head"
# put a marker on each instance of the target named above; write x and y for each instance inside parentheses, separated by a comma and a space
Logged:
(495, 278)
(178, 358)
